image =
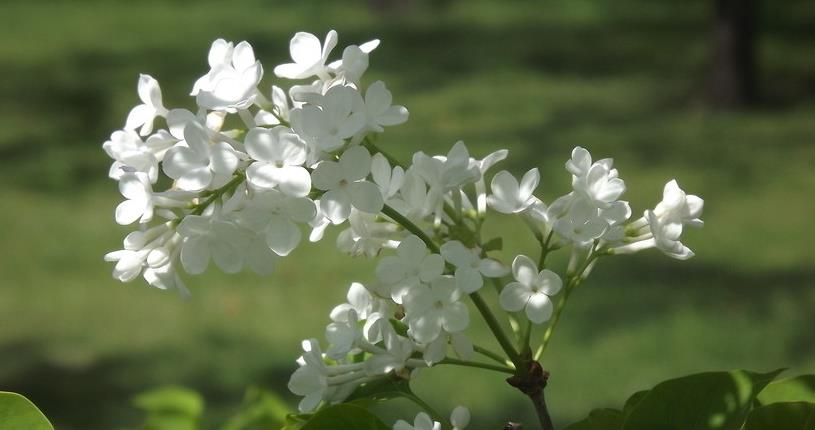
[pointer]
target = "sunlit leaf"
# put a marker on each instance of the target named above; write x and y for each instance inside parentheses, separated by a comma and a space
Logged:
(797, 389)
(17, 412)
(170, 408)
(344, 416)
(782, 416)
(704, 401)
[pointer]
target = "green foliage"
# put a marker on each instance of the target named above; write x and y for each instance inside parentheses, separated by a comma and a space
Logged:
(381, 390)
(18, 413)
(711, 400)
(714, 401)
(782, 416)
(260, 410)
(796, 389)
(600, 419)
(344, 416)
(170, 408)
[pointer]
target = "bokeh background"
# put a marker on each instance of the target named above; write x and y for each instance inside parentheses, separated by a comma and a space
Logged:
(665, 87)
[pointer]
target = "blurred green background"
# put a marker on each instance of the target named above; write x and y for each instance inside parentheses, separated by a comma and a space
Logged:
(626, 79)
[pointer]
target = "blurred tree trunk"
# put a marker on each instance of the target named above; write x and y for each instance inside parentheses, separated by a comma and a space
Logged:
(733, 75)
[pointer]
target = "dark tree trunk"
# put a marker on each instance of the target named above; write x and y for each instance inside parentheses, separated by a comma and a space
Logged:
(733, 75)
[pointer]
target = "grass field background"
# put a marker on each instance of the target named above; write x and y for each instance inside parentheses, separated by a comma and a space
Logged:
(624, 79)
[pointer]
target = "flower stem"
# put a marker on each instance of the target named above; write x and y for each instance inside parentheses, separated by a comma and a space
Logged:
(493, 355)
(495, 327)
(411, 227)
(573, 281)
(487, 366)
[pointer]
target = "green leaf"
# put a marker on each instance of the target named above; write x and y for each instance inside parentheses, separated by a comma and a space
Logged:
(633, 401)
(782, 416)
(170, 408)
(600, 419)
(344, 416)
(17, 412)
(380, 390)
(797, 389)
(704, 401)
(260, 410)
(494, 244)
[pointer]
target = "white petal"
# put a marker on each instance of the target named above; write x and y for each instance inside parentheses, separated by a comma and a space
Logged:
(514, 296)
(549, 282)
(195, 255)
(468, 280)
(492, 268)
(305, 48)
(327, 175)
(524, 270)
(195, 180)
(336, 205)
(456, 317)
(431, 268)
(365, 196)
(150, 92)
(282, 235)
(355, 163)
(128, 211)
(455, 252)
(539, 308)
(243, 56)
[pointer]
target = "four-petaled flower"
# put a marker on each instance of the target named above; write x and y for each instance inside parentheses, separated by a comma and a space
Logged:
(531, 291)
(280, 155)
(345, 186)
(470, 268)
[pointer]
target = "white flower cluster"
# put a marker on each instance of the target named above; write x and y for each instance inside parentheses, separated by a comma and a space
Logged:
(306, 158)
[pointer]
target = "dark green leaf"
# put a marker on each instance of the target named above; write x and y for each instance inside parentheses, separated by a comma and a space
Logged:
(704, 401)
(380, 390)
(494, 244)
(797, 389)
(344, 416)
(633, 401)
(17, 412)
(600, 419)
(782, 416)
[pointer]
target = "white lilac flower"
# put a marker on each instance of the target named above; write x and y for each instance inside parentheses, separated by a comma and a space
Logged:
(531, 291)
(354, 62)
(144, 114)
(581, 222)
(508, 196)
(431, 309)
(444, 174)
(137, 247)
(366, 235)
(279, 106)
(436, 351)
(460, 418)
(310, 380)
(597, 182)
(279, 156)
(470, 267)
(360, 301)
(422, 422)
(342, 336)
(480, 186)
(388, 180)
(275, 215)
(136, 188)
(412, 265)
(344, 184)
(662, 227)
(329, 119)
(378, 110)
(398, 351)
(129, 152)
(206, 238)
(231, 83)
(200, 164)
(308, 55)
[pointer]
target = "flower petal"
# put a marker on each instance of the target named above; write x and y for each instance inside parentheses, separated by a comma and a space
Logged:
(514, 296)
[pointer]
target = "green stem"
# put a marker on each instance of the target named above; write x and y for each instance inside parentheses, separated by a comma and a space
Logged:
(490, 354)
(525, 336)
(411, 227)
(544, 250)
(429, 409)
(370, 146)
(572, 282)
(495, 327)
(487, 366)
(230, 186)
